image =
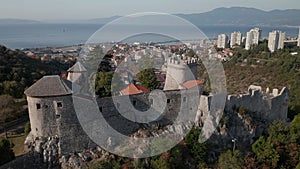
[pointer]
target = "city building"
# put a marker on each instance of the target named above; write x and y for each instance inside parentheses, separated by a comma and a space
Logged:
(298, 44)
(276, 40)
(235, 39)
(222, 40)
(252, 38)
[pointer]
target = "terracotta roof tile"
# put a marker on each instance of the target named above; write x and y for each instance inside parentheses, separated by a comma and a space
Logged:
(133, 89)
(191, 83)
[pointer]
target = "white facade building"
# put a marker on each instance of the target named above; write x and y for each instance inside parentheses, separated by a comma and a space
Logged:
(235, 39)
(276, 40)
(252, 38)
(298, 44)
(222, 40)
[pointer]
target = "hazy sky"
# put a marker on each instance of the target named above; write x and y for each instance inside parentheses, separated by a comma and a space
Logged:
(87, 9)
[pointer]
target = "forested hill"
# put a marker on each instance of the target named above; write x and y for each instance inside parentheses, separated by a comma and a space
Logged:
(18, 72)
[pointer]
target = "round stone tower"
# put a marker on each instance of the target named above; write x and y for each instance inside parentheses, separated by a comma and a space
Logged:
(48, 99)
(180, 71)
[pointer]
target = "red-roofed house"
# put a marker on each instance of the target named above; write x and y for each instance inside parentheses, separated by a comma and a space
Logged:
(133, 89)
(191, 83)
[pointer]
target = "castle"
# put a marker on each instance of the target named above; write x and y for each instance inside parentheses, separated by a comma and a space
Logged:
(54, 119)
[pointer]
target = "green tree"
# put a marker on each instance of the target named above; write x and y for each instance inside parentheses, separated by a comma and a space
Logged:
(103, 84)
(176, 158)
(230, 160)
(27, 128)
(265, 152)
(198, 150)
(6, 110)
(6, 152)
(148, 79)
(278, 133)
(106, 82)
(159, 164)
(106, 164)
(295, 129)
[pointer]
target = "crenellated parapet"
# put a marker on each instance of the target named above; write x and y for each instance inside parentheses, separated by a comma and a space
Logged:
(265, 105)
(179, 70)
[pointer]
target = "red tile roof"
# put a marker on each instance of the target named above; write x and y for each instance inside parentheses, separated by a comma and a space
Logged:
(133, 89)
(191, 83)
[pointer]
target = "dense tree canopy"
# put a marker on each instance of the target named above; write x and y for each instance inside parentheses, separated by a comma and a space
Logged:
(7, 153)
(148, 79)
(7, 109)
(17, 71)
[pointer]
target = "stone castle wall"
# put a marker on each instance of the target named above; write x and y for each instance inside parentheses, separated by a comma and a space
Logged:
(56, 117)
(59, 118)
(264, 105)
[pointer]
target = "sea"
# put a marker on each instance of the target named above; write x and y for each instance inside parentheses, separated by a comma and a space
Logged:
(38, 35)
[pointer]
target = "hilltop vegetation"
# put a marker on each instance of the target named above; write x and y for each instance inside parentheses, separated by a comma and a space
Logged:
(18, 72)
(259, 66)
(278, 149)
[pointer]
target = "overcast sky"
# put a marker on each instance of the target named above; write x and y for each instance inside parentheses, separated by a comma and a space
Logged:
(88, 9)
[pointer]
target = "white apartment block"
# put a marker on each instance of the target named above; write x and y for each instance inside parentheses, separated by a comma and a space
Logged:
(235, 39)
(276, 40)
(222, 40)
(298, 44)
(253, 37)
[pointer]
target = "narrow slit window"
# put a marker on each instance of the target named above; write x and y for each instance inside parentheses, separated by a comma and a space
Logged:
(134, 102)
(151, 101)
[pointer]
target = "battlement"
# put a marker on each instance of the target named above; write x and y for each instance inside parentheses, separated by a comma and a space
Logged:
(268, 106)
(179, 70)
(178, 60)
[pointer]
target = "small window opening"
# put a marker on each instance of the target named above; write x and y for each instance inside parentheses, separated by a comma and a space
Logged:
(38, 106)
(168, 100)
(184, 99)
(100, 109)
(59, 104)
(134, 102)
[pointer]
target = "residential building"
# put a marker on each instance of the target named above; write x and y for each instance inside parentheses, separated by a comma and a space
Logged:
(252, 38)
(222, 40)
(235, 39)
(298, 44)
(276, 40)
(133, 89)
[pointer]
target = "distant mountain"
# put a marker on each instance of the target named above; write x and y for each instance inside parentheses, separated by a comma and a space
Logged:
(17, 21)
(103, 20)
(245, 16)
(220, 16)
(234, 16)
